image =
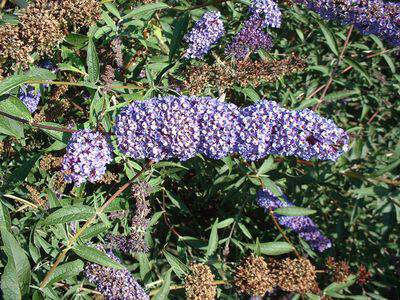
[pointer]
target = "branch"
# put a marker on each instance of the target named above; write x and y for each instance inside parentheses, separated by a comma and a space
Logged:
(72, 240)
(330, 80)
(35, 124)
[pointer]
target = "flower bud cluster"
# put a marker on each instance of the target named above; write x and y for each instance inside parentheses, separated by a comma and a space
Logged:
(30, 97)
(302, 225)
(252, 37)
(370, 17)
(87, 155)
(181, 127)
(114, 284)
(206, 32)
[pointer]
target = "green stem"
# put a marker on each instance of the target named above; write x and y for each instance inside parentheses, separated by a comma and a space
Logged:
(74, 238)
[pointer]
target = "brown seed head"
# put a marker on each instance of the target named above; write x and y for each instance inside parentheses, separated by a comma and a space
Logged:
(296, 275)
(255, 276)
(199, 284)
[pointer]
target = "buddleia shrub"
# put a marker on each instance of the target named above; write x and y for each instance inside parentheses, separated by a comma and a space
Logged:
(199, 150)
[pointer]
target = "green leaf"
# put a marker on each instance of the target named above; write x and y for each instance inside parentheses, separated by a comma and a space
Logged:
(330, 38)
(245, 231)
(335, 287)
(145, 10)
(92, 61)
(213, 240)
(177, 265)
(18, 267)
(164, 290)
(11, 127)
(180, 27)
(14, 81)
(360, 69)
(76, 39)
(267, 166)
(14, 106)
(294, 211)
(272, 248)
(9, 283)
(66, 271)
(96, 256)
(5, 221)
(68, 214)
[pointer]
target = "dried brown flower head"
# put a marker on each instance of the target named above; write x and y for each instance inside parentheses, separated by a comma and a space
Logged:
(50, 162)
(116, 46)
(11, 45)
(296, 275)
(108, 77)
(42, 26)
(35, 196)
(340, 270)
(58, 182)
(80, 13)
(363, 275)
(255, 276)
(199, 284)
(109, 178)
(2, 148)
(225, 75)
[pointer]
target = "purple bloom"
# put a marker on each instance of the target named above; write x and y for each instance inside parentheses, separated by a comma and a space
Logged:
(266, 128)
(302, 225)
(268, 11)
(370, 17)
(206, 32)
(250, 38)
(218, 123)
(114, 284)
(87, 155)
(30, 97)
(180, 127)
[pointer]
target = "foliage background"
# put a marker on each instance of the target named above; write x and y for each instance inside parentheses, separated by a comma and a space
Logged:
(200, 207)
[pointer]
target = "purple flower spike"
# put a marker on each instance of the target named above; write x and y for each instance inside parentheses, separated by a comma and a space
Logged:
(206, 32)
(30, 97)
(304, 226)
(268, 10)
(181, 127)
(114, 284)
(369, 17)
(87, 155)
(250, 38)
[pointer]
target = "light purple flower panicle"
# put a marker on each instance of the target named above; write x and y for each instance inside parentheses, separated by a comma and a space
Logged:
(268, 10)
(87, 156)
(115, 284)
(206, 32)
(302, 225)
(30, 97)
(181, 127)
(369, 17)
(250, 38)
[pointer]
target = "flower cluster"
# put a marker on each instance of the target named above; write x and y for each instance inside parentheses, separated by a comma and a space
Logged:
(302, 225)
(250, 38)
(87, 155)
(268, 10)
(243, 72)
(135, 241)
(199, 284)
(370, 17)
(43, 24)
(167, 127)
(206, 32)
(256, 277)
(30, 97)
(114, 284)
